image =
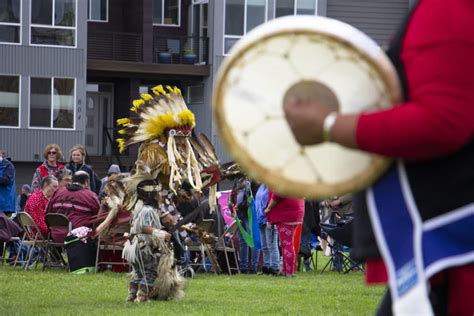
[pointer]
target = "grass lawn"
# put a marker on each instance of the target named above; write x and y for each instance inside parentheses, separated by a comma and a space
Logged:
(309, 293)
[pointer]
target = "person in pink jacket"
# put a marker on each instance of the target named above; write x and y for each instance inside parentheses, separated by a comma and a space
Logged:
(286, 213)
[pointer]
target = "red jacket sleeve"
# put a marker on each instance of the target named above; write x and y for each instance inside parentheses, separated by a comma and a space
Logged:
(439, 117)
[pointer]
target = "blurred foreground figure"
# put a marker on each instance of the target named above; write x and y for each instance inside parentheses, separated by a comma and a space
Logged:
(422, 208)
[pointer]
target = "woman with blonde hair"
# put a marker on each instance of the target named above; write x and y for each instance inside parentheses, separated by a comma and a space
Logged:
(50, 167)
(77, 158)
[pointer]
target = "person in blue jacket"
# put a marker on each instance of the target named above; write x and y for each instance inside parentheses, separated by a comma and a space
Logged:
(7, 184)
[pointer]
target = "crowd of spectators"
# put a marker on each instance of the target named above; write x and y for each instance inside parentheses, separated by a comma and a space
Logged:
(286, 227)
(70, 189)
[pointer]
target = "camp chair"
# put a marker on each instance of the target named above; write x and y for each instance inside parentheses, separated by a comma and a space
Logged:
(55, 248)
(32, 238)
(341, 233)
(225, 244)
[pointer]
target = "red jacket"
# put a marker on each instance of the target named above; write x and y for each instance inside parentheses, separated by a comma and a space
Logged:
(78, 204)
(36, 207)
(286, 210)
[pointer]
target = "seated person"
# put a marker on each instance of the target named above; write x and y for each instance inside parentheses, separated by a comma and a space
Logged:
(75, 201)
(38, 201)
(21, 199)
(9, 229)
(64, 177)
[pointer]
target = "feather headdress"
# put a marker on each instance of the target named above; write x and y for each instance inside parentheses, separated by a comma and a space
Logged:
(155, 116)
(163, 119)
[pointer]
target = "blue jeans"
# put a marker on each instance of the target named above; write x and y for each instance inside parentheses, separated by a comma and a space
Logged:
(244, 252)
(269, 240)
(338, 259)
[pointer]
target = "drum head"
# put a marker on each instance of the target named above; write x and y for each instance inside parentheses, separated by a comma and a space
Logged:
(313, 57)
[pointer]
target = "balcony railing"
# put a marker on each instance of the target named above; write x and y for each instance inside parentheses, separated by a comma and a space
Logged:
(129, 47)
(180, 50)
(115, 46)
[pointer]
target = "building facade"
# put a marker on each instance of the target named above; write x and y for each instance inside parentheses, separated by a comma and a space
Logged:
(70, 68)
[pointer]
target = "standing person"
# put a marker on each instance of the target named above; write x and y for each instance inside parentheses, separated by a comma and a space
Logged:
(310, 226)
(286, 213)
(7, 184)
(268, 234)
(75, 201)
(431, 184)
(77, 158)
(113, 169)
(52, 154)
(147, 251)
(23, 197)
(38, 201)
(238, 202)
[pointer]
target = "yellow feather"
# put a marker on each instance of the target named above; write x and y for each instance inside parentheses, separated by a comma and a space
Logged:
(146, 96)
(158, 90)
(123, 121)
(186, 117)
(121, 143)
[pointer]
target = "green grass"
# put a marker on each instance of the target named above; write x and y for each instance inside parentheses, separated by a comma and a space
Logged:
(309, 293)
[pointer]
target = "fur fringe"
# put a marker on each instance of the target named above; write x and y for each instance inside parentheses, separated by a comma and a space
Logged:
(169, 284)
(129, 251)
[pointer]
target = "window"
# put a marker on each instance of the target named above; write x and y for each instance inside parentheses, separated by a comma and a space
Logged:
(53, 22)
(9, 100)
(97, 10)
(10, 21)
(295, 7)
(167, 12)
(195, 94)
(240, 17)
(52, 103)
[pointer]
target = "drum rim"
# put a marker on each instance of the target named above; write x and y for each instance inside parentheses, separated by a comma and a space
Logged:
(277, 182)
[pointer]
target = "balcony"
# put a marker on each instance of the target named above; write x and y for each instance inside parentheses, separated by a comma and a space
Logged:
(180, 50)
(122, 54)
(115, 46)
(128, 47)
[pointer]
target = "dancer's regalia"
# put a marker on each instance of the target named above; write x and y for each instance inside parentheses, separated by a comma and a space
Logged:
(162, 124)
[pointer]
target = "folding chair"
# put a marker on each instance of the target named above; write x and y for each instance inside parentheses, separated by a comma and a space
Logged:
(197, 247)
(313, 254)
(55, 221)
(341, 233)
(205, 249)
(113, 242)
(4, 257)
(32, 238)
(225, 243)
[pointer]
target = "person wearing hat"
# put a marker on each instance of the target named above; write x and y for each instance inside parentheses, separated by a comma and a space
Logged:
(113, 169)
(21, 199)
